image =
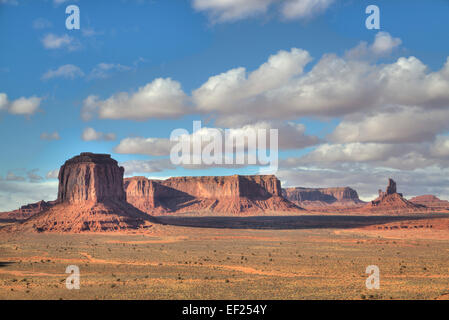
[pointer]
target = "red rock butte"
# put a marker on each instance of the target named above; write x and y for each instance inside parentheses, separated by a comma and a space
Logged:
(90, 198)
(91, 177)
(235, 194)
(391, 200)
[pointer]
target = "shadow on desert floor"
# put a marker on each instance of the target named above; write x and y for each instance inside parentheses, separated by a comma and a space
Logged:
(5, 263)
(290, 222)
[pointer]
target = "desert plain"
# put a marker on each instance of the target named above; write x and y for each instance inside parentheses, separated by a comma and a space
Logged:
(276, 257)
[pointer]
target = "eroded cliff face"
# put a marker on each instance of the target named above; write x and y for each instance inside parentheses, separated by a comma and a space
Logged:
(91, 177)
(342, 196)
(219, 194)
(90, 198)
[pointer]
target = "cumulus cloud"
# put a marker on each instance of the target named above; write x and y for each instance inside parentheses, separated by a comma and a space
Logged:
(405, 125)
(383, 45)
(50, 136)
(291, 136)
(146, 166)
(440, 147)
(67, 71)
(89, 134)
(52, 41)
(234, 89)
(335, 86)
(147, 146)
(292, 9)
(232, 10)
(393, 156)
(161, 99)
(353, 152)
(24, 106)
(20, 106)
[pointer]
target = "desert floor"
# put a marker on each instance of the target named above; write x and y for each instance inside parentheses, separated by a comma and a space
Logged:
(236, 258)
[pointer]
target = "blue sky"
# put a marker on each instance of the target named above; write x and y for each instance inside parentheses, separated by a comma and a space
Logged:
(126, 45)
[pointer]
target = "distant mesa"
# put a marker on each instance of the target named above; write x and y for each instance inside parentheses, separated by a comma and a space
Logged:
(314, 198)
(27, 211)
(90, 198)
(430, 201)
(391, 200)
(227, 195)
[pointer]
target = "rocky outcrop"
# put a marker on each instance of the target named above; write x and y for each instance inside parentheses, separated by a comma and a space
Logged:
(391, 200)
(91, 197)
(322, 197)
(215, 194)
(27, 211)
(91, 177)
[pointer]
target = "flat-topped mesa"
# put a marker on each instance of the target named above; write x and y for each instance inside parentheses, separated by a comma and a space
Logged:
(430, 201)
(91, 177)
(322, 196)
(226, 186)
(221, 194)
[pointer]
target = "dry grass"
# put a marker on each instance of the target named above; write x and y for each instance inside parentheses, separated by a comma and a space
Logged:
(206, 263)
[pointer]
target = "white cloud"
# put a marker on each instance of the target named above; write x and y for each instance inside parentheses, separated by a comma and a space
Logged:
(231, 10)
(440, 147)
(234, 90)
(350, 152)
(147, 146)
(161, 99)
(14, 194)
(89, 134)
(58, 2)
(3, 101)
(335, 86)
(20, 106)
(103, 70)
(52, 174)
(293, 9)
(145, 166)
(291, 136)
(408, 124)
(383, 45)
(67, 71)
(52, 41)
(50, 136)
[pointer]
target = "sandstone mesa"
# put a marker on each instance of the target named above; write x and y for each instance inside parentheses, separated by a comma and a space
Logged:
(94, 196)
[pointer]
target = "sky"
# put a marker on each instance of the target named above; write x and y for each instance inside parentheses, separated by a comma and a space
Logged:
(353, 106)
